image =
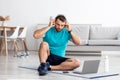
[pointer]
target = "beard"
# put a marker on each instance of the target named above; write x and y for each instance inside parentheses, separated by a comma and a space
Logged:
(57, 29)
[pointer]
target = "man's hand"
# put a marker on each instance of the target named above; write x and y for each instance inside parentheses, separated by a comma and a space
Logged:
(67, 26)
(51, 23)
(75, 38)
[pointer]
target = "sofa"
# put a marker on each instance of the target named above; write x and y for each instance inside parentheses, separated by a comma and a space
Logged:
(95, 37)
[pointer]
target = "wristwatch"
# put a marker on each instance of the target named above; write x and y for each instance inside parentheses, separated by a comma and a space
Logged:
(70, 31)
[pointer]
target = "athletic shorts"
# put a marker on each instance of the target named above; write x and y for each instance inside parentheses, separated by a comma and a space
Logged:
(56, 60)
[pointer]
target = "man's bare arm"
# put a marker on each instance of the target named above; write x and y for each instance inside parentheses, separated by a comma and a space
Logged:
(75, 39)
(40, 33)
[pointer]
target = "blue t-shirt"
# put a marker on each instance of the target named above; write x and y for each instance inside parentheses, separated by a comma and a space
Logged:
(57, 41)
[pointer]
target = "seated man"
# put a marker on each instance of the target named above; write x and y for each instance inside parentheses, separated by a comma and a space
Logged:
(52, 50)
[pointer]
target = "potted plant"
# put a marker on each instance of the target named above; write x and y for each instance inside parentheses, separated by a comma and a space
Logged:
(3, 19)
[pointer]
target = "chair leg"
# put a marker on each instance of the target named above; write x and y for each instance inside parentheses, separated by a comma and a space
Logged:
(13, 45)
(26, 49)
(24, 46)
(1, 40)
(16, 47)
(2, 46)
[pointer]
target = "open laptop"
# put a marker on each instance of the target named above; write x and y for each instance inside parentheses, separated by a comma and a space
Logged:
(89, 66)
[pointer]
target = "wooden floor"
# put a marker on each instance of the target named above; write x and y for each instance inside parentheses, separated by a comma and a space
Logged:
(9, 70)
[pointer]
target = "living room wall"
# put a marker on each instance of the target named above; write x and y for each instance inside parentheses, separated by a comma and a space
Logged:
(29, 13)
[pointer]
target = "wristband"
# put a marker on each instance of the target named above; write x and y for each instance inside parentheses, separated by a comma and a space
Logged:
(70, 31)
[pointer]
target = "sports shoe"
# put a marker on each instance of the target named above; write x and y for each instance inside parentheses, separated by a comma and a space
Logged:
(44, 68)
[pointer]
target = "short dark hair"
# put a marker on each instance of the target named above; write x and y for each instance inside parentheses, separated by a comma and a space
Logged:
(61, 17)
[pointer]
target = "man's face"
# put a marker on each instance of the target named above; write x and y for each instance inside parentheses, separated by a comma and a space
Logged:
(59, 25)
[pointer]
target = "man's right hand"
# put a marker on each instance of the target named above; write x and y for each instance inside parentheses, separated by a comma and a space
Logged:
(51, 23)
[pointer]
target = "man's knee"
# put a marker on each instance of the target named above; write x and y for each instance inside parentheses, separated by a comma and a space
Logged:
(43, 44)
(76, 63)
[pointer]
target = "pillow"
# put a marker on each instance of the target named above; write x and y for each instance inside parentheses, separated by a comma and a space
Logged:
(118, 36)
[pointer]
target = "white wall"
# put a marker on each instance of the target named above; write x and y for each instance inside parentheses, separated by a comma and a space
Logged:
(31, 12)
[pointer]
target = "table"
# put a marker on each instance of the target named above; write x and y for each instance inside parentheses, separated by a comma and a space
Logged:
(5, 29)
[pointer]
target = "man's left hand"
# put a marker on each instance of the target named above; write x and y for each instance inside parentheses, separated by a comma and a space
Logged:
(67, 26)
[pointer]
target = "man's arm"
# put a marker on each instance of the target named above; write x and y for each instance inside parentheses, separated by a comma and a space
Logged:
(75, 38)
(40, 33)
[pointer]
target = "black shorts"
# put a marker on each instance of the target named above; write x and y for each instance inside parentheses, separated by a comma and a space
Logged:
(55, 60)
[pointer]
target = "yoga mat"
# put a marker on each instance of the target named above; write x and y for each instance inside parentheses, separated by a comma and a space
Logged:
(88, 76)
(26, 67)
(70, 73)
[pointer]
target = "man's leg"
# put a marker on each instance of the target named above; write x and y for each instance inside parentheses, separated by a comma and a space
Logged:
(43, 55)
(69, 64)
(43, 52)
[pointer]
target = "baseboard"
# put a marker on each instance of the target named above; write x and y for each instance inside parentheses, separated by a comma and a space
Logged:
(84, 53)
(75, 53)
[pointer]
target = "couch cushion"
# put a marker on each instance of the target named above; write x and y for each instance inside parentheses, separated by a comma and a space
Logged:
(118, 36)
(97, 33)
(104, 42)
(82, 30)
(83, 42)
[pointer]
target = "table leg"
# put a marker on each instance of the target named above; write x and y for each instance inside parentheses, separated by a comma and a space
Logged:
(5, 40)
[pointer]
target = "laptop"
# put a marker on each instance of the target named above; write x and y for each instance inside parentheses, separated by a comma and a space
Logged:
(89, 66)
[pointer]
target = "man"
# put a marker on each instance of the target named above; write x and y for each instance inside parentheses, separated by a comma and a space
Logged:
(52, 50)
